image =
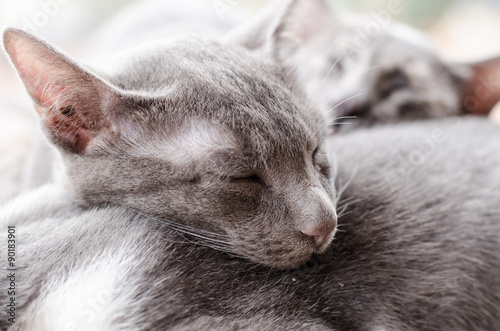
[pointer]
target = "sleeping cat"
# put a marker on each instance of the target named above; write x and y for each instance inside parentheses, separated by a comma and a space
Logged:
(416, 251)
(213, 135)
(368, 70)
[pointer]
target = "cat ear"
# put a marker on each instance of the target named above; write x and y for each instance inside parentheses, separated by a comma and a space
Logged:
(70, 101)
(481, 89)
(302, 22)
(284, 24)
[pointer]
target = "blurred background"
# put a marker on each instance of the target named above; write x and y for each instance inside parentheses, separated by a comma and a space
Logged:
(463, 30)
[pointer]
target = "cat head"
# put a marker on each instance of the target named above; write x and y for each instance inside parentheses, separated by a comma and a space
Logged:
(212, 136)
(374, 71)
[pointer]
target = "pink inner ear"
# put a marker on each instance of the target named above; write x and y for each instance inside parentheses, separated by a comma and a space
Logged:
(73, 129)
(318, 14)
(40, 83)
(69, 127)
(67, 98)
(479, 94)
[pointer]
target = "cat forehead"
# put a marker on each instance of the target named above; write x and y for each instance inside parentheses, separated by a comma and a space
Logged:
(208, 82)
(188, 62)
(208, 71)
(197, 140)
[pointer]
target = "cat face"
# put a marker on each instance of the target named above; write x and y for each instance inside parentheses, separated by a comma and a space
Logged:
(210, 136)
(391, 81)
(385, 77)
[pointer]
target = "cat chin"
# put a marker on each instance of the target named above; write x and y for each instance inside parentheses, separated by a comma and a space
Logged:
(299, 254)
(294, 261)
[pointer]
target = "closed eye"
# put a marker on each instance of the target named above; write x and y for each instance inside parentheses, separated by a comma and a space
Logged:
(320, 162)
(315, 153)
(392, 81)
(253, 179)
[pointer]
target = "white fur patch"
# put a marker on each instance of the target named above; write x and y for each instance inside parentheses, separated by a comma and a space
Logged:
(198, 140)
(86, 301)
(380, 328)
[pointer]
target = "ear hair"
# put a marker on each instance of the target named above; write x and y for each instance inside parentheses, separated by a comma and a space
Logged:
(302, 21)
(256, 33)
(70, 101)
(283, 24)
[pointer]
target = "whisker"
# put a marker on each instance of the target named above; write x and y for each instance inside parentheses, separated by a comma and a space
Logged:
(346, 200)
(342, 210)
(341, 103)
(312, 97)
(197, 235)
(371, 68)
(334, 43)
(220, 248)
(342, 123)
(344, 187)
(343, 213)
(345, 117)
(188, 228)
(209, 239)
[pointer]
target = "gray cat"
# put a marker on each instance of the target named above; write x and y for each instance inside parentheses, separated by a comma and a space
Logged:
(401, 260)
(212, 135)
(417, 249)
(370, 70)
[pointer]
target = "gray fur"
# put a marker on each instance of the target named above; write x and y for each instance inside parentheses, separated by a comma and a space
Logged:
(258, 184)
(138, 24)
(418, 251)
(403, 259)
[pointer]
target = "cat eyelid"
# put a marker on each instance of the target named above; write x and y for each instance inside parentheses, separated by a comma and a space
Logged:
(317, 146)
(391, 81)
(244, 177)
(250, 179)
(320, 161)
(315, 152)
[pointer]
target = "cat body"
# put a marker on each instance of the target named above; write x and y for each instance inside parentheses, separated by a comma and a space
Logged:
(417, 249)
(212, 134)
(112, 269)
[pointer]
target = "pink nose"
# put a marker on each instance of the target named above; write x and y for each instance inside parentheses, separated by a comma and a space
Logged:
(318, 234)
